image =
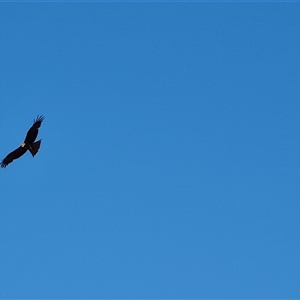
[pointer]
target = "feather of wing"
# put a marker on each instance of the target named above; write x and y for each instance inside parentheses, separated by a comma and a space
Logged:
(13, 155)
(34, 130)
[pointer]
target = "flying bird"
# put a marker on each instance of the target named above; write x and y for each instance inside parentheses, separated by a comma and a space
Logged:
(28, 144)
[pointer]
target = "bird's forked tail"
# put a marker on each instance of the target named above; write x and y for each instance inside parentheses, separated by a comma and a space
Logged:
(34, 148)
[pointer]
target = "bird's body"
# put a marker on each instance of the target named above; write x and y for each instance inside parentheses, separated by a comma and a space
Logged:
(28, 144)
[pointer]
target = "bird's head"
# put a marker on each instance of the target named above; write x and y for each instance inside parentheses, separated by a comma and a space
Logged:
(23, 145)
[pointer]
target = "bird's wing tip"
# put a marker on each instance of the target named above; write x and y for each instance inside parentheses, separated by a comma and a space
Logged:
(39, 118)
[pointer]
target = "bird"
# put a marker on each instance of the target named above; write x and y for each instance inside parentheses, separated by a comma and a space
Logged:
(28, 144)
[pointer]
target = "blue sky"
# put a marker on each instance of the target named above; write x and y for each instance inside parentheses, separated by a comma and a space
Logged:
(169, 166)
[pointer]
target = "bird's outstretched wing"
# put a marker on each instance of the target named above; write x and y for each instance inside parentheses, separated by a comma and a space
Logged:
(34, 130)
(13, 155)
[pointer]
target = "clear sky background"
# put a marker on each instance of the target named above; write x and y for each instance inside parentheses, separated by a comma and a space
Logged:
(169, 166)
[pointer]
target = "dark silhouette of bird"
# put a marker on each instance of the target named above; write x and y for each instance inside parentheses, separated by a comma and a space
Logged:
(28, 144)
